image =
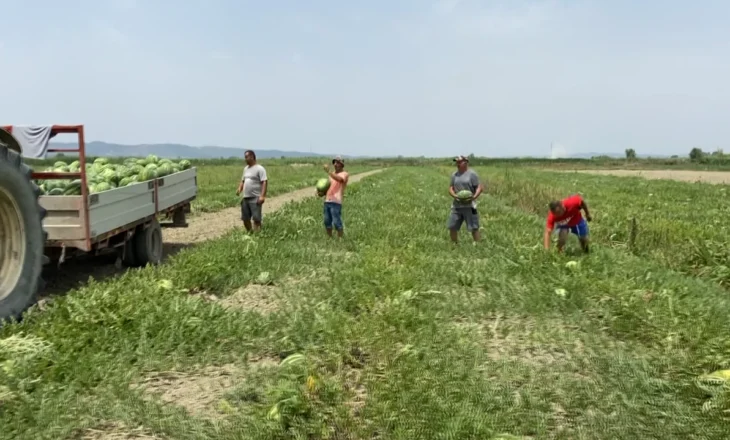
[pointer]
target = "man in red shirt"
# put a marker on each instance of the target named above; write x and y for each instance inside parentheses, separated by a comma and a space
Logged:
(565, 215)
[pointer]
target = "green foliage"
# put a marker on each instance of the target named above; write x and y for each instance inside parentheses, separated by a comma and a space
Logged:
(679, 225)
(395, 333)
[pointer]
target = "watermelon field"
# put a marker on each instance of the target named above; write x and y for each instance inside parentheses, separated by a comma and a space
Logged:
(393, 332)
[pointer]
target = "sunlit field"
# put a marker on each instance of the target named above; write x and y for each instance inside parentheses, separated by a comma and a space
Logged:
(393, 332)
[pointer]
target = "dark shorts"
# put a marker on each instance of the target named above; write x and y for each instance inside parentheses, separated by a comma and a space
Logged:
(460, 215)
(250, 209)
(581, 229)
(333, 215)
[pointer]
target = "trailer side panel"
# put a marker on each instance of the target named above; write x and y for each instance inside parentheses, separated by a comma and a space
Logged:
(110, 210)
(64, 219)
(176, 188)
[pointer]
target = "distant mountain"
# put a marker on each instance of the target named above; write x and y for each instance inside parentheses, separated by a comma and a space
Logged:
(175, 151)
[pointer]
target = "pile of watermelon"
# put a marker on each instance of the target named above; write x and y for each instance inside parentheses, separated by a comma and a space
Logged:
(104, 176)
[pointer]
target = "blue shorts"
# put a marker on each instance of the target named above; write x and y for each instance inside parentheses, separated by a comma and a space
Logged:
(333, 215)
(581, 229)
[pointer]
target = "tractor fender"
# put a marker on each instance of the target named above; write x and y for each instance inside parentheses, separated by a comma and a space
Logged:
(8, 141)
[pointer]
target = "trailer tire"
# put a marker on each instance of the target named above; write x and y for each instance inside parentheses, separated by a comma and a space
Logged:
(22, 238)
(129, 255)
(148, 244)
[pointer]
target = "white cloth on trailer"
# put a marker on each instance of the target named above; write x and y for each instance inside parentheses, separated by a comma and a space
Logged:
(33, 139)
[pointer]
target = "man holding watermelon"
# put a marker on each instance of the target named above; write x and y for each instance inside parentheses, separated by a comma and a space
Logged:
(333, 192)
(565, 215)
(465, 189)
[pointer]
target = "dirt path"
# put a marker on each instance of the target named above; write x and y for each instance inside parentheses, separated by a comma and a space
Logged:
(715, 177)
(214, 224)
(76, 272)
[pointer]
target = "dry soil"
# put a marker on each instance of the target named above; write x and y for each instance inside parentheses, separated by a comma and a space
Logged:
(715, 177)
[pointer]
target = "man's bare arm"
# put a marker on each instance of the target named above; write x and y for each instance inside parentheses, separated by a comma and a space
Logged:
(452, 192)
(584, 206)
(546, 238)
(264, 187)
(480, 189)
(336, 177)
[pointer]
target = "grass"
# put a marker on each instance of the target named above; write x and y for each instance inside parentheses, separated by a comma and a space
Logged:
(217, 182)
(678, 225)
(392, 333)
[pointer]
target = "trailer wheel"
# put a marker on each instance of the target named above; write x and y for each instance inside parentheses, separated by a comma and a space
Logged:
(148, 244)
(22, 238)
(129, 256)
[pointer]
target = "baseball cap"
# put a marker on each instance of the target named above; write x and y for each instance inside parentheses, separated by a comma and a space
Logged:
(338, 159)
(461, 158)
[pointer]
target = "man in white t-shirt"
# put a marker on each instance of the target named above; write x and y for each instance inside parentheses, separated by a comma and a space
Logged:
(253, 185)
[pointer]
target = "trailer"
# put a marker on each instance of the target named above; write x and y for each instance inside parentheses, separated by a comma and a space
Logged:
(125, 220)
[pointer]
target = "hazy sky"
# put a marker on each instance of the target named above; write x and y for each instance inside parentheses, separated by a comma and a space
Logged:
(410, 77)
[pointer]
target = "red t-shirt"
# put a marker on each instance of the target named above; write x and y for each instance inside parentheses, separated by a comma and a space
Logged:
(570, 217)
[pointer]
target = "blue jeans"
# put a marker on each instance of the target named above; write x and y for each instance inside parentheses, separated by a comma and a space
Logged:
(333, 215)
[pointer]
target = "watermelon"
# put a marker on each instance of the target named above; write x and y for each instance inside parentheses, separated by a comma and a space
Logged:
(126, 182)
(101, 175)
(147, 174)
(464, 195)
(125, 172)
(53, 184)
(73, 188)
(323, 185)
(109, 176)
(100, 187)
(164, 169)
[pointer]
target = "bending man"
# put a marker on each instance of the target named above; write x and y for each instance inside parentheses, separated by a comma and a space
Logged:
(565, 215)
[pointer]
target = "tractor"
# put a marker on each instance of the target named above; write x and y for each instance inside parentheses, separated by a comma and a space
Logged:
(22, 238)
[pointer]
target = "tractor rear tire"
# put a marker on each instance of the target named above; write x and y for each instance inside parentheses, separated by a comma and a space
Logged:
(22, 238)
